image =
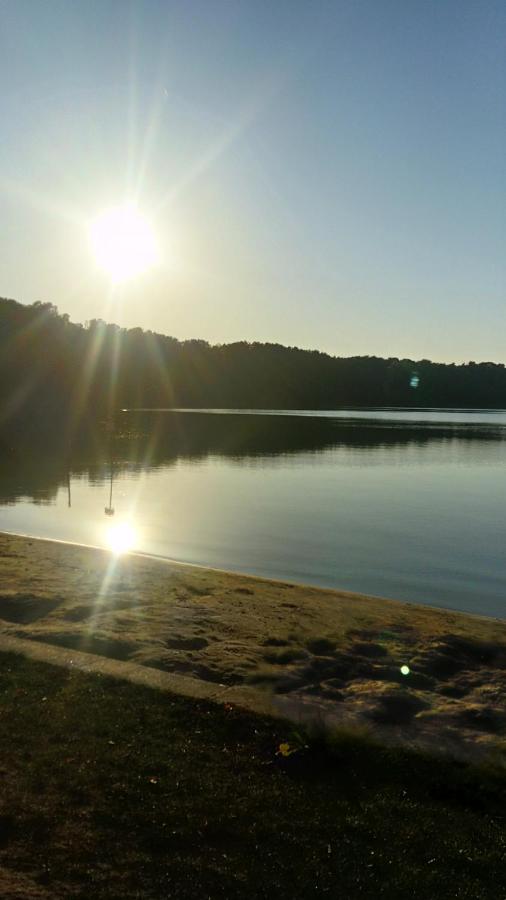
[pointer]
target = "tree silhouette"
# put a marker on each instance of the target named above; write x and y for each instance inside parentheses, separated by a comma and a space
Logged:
(55, 374)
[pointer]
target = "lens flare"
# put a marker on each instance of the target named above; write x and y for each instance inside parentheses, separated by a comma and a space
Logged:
(405, 670)
(121, 537)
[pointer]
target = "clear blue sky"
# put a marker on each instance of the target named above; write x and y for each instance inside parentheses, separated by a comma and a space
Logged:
(326, 174)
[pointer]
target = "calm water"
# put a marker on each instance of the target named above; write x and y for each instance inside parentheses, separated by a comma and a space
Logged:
(408, 504)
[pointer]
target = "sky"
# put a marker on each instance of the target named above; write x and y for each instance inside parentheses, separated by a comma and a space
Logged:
(330, 175)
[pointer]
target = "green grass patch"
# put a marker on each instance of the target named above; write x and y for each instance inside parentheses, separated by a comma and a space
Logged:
(110, 790)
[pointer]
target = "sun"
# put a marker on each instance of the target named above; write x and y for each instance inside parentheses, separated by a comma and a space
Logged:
(123, 242)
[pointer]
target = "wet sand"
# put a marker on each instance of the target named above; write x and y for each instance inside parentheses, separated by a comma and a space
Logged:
(305, 651)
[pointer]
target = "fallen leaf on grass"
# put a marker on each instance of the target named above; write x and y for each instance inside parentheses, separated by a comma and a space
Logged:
(286, 750)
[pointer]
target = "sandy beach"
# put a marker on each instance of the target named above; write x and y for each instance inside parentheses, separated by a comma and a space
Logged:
(304, 651)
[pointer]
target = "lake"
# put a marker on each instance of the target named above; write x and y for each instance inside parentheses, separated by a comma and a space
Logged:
(408, 504)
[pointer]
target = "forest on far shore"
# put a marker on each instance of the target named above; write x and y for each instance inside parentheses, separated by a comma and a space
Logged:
(56, 372)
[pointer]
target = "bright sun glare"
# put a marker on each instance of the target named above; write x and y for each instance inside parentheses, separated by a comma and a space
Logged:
(123, 242)
(120, 537)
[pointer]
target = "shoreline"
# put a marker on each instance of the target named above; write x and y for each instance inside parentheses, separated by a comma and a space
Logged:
(307, 652)
(170, 561)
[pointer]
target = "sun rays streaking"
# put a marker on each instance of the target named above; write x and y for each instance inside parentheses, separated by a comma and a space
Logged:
(227, 136)
(98, 358)
(41, 200)
(118, 538)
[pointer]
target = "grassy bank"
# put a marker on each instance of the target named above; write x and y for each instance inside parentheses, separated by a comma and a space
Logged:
(112, 790)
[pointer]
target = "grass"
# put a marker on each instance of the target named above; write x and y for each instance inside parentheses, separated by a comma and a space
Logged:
(115, 791)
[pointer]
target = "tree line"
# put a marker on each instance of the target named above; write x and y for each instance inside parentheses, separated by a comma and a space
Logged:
(54, 371)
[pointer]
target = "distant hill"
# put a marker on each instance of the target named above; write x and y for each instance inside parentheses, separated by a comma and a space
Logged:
(53, 371)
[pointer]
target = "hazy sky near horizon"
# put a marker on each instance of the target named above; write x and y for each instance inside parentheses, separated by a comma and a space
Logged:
(325, 174)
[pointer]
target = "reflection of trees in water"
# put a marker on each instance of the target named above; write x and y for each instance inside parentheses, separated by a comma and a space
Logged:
(146, 440)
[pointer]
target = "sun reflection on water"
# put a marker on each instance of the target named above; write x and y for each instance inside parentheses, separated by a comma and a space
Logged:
(121, 537)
